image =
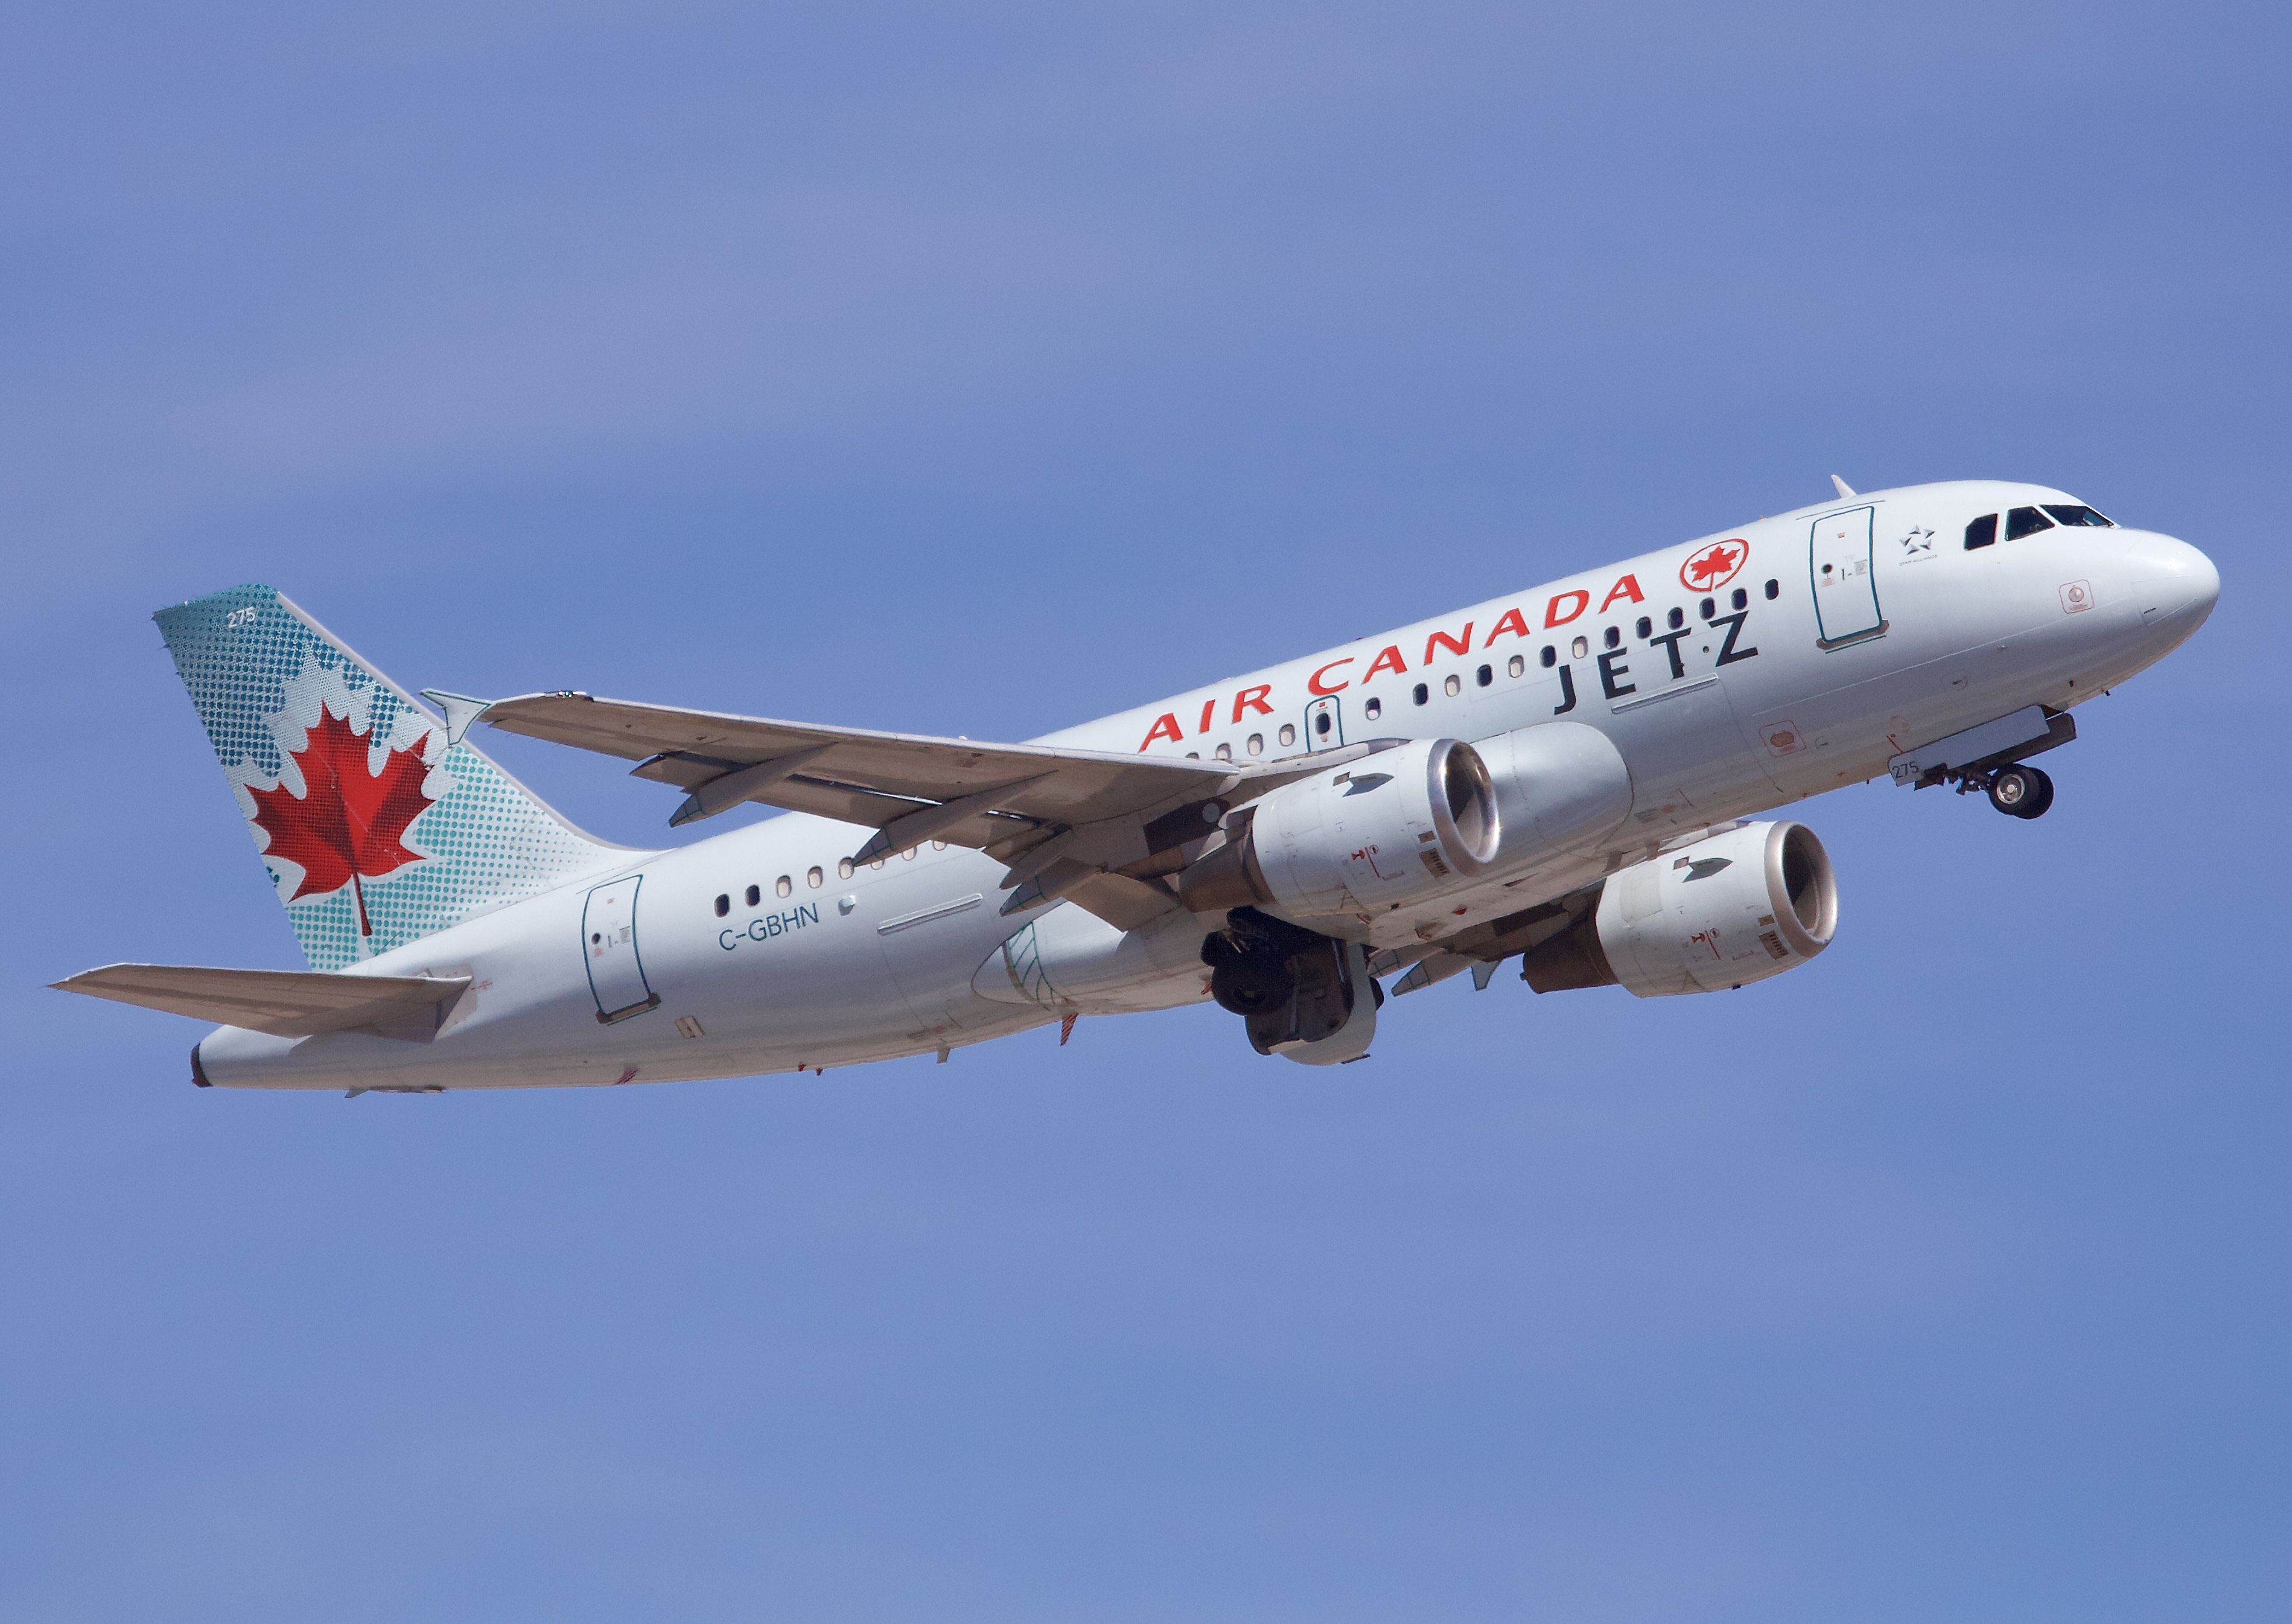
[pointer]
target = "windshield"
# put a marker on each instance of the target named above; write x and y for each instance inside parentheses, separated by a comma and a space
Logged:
(2077, 512)
(2025, 521)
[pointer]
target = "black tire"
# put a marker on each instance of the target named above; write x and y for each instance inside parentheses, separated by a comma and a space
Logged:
(1251, 986)
(2035, 807)
(2013, 788)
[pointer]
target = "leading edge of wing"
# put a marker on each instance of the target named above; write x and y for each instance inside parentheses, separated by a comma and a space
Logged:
(857, 774)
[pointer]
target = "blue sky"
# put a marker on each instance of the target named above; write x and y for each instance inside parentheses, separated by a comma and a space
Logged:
(980, 369)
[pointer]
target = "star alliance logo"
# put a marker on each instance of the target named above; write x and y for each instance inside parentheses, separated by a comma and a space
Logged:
(1917, 543)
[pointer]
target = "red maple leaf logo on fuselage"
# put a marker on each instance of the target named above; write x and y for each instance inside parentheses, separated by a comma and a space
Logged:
(347, 822)
(1715, 566)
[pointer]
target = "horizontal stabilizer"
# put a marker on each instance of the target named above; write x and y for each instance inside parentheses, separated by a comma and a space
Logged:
(284, 1003)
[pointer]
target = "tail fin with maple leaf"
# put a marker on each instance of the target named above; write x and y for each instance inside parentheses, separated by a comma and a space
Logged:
(375, 826)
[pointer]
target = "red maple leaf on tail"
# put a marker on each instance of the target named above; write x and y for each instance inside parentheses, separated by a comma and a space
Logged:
(348, 821)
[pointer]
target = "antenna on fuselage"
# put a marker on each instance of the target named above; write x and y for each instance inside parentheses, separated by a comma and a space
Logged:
(1844, 489)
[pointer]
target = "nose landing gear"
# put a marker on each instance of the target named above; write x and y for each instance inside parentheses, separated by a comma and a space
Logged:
(2021, 792)
(2016, 790)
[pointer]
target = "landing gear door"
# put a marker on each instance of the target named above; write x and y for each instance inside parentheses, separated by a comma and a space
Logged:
(608, 943)
(1845, 589)
(1325, 724)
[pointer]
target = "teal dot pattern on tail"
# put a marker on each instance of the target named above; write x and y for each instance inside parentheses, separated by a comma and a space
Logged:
(260, 673)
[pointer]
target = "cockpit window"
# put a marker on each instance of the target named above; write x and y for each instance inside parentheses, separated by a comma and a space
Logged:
(1983, 532)
(2076, 514)
(2025, 521)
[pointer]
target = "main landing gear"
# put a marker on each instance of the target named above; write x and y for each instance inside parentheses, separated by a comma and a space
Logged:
(2017, 790)
(1301, 995)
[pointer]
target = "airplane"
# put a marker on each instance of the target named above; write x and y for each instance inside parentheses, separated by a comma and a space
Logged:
(1571, 777)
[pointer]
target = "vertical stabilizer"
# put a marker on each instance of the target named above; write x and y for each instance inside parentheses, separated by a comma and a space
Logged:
(375, 827)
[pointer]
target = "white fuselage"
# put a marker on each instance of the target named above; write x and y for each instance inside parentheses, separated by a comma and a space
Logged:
(1763, 694)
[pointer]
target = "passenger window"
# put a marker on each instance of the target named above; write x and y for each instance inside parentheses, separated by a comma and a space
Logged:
(1774, 590)
(843, 869)
(1372, 710)
(1580, 647)
(1676, 619)
(1982, 532)
(783, 885)
(755, 895)
(939, 845)
(1484, 676)
(815, 877)
(1321, 724)
(1515, 666)
(1709, 609)
(723, 906)
(2076, 514)
(1645, 627)
(1224, 752)
(1611, 637)
(1741, 600)
(1549, 657)
(1453, 685)
(1288, 735)
(1257, 744)
(2025, 521)
(1421, 694)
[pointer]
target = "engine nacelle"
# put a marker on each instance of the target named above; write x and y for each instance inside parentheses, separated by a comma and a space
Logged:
(1732, 910)
(1560, 786)
(1382, 831)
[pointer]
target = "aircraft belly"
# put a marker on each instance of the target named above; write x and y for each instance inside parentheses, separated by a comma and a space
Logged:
(1067, 961)
(1817, 741)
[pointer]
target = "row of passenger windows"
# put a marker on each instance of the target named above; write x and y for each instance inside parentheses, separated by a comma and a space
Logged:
(2021, 521)
(814, 877)
(1373, 708)
(1547, 657)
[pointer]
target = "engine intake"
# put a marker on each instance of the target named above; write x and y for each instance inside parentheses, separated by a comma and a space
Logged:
(1728, 911)
(1386, 830)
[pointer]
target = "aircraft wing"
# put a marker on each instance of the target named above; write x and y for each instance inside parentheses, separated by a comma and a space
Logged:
(1089, 823)
(284, 1003)
(857, 776)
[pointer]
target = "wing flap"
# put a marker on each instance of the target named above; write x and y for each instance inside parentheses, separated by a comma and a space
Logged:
(284, 1003)
(1124, 903)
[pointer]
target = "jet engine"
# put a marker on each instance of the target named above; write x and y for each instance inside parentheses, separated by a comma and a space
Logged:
(1732, 908)
(1386, 830)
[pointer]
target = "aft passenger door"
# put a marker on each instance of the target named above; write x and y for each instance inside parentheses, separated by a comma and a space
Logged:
(608, 943)
(1839, 569)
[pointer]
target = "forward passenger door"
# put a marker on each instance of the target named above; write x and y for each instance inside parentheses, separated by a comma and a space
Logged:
(1839, 573)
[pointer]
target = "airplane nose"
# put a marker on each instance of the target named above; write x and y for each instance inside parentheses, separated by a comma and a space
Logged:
(2175, 584)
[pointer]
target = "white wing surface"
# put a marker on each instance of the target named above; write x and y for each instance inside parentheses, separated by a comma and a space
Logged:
(1091, 824)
